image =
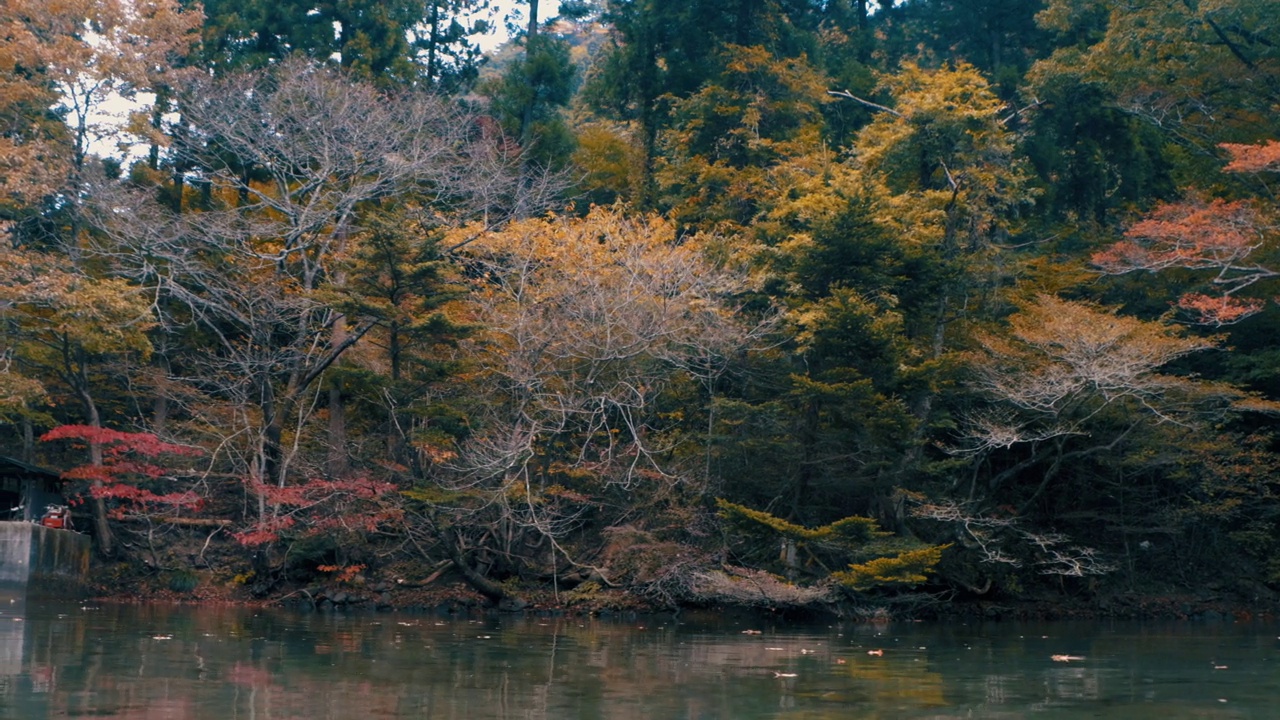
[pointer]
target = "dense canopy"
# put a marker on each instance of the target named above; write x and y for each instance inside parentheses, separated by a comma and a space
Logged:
(786, 304)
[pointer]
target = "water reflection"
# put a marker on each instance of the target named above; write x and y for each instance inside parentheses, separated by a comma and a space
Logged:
(161, 662)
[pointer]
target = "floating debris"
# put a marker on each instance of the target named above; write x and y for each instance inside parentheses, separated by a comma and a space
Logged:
(752, 632)
(1065, 658)
(784, 675)
(876, 653)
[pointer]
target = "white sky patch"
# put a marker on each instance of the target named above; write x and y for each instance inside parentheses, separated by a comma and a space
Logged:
(503, 11)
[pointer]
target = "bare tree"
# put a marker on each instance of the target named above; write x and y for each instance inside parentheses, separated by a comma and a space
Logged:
(587, 323)
(1063, 363)
(1067, 383)
(254, 271)
(1001, 540)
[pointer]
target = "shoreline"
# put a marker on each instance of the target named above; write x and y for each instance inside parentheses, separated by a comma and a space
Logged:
(460, 601)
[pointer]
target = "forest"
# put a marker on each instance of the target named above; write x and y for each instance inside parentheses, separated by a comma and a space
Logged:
(872, 307)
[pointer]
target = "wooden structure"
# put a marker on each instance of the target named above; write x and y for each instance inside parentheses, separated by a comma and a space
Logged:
(26, 490)
(39, 559)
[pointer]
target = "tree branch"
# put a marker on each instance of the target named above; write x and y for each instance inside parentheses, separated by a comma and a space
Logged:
(874, 106)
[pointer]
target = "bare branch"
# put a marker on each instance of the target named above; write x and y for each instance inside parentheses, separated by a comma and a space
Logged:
(874, 106)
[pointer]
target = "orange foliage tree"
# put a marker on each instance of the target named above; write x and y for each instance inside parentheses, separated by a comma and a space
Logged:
(1220, 237)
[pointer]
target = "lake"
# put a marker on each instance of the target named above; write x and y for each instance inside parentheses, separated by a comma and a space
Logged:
(163, 662)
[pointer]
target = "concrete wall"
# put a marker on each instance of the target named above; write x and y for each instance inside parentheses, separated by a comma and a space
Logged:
(40, 562)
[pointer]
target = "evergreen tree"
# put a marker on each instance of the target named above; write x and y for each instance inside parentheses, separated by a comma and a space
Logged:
(393, 42)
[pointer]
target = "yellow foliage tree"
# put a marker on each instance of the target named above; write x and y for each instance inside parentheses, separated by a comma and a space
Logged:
(878, 559)
(589, 326)
(63, 326)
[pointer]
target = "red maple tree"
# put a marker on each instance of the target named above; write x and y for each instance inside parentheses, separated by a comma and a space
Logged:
(136, 472)
(320, 506)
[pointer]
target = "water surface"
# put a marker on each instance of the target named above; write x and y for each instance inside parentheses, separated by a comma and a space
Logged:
(160, 662)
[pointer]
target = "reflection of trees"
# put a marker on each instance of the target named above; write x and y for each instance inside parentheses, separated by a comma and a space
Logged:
(168, 663)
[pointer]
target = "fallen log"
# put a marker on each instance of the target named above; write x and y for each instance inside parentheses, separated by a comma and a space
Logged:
(441, 569)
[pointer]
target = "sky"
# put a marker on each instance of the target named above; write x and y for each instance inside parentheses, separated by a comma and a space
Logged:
(502, 9)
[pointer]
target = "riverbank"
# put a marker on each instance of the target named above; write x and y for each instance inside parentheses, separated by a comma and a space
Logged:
(447, 597)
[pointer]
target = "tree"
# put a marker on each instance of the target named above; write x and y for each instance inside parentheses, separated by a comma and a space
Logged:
(588, 326)
(74, 57)
(63, 329)
(1073, 409)
(1205, 72)
(1065, 363)
(33, 156)
(1215, 237)
(136, 474)
(1093, 159)
(940, 169)
(817, 430)
(665, 50)
(756, 116)
(343, 512)
(401, 276)
(877, 562)
(941, 159)
(529, 98)
(93, 51)
(998, 36)
(397, 43)
(134, 47)
(293, 156)
(661, 53)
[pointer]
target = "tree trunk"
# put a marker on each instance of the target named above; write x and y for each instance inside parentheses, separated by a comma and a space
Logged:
(272, 435)
(160, 404)
(337, 459)
(102, 529)
(395, 435)
(433, 40)
(484, 585)
(526, 121)
(28, 441)
(76, 376)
